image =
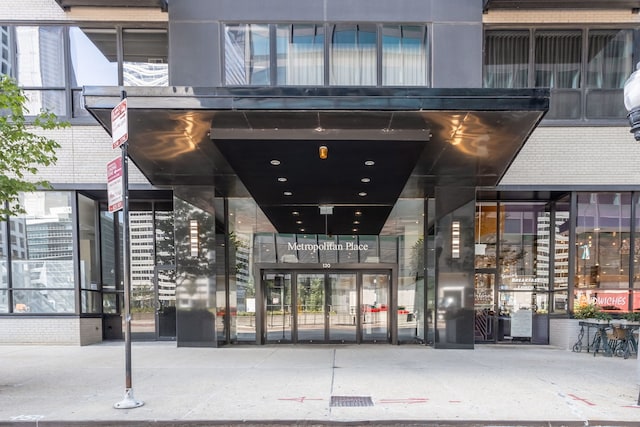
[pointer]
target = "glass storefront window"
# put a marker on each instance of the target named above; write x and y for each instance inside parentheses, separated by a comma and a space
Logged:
(300, 52)
(89, 266)
(524, 247)
(486, 235)
(42, 254)
(247, 54)
(404, 55)
(603, 250)
(352, 55)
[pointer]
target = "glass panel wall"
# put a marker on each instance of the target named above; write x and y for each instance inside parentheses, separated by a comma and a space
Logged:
(300, 52)
(486, 234)
(560, 299)
(523, 298)
(42, 254)
(88, 250)
(602, 250)
(254, 240)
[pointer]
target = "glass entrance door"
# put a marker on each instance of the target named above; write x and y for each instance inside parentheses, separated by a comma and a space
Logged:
(342, 302)
(311, 307)
(325, 307)
(484, 302)
(278, 315)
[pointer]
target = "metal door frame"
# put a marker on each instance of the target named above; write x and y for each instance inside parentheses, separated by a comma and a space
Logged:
(326, 269)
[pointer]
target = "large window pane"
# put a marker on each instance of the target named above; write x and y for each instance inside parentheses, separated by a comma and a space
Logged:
(353, 55)
(602, 243)
(524, 247)
(300, 50)
(610, 62)
(42, 254)
(247, 54)
(404, 55)
(145, 57)
(558, 56)
(43, 301)
(94, 62)
(39, 56)
(89, 265)
(506, 59)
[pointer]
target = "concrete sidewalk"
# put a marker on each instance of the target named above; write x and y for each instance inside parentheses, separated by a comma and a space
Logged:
(302, 385)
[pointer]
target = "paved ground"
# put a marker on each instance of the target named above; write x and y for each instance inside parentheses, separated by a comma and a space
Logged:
(302, 385)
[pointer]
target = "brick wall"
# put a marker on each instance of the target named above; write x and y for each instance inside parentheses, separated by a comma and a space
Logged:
(577, 156)
(559, 16)
(51, 330)
(49, 10)
(83, 157)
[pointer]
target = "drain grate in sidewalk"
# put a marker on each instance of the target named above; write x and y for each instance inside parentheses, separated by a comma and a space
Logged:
(351, 401)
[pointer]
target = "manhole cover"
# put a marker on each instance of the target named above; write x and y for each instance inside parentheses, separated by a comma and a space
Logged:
(351, 401)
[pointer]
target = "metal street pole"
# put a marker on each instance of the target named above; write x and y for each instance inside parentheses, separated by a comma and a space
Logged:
(128, 401)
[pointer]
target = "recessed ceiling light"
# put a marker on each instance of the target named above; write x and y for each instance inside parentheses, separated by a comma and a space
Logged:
(298, 222)
(282, 179)
(358, 213)
(275, 162)
(295, 213)
(356, 222)
(369, 163)
(362, 194)
(354, 229)
(302, 230)
(288, 193)
(365, 179)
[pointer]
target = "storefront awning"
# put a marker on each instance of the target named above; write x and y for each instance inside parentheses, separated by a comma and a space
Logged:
(417, 139)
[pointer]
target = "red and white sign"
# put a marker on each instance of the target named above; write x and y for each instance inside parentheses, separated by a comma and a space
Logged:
(114, 184)
(119, 124)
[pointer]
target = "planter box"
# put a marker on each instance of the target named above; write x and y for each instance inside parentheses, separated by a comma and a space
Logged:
(563, 332)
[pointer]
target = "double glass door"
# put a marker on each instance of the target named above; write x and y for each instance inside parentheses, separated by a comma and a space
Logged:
(325, 307)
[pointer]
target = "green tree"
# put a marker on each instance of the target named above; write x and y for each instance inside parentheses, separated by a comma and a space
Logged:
(21, 150)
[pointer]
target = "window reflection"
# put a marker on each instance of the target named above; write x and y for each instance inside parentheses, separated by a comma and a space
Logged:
(42, 254)
(145, 57)
(247, 54)
(603, 250)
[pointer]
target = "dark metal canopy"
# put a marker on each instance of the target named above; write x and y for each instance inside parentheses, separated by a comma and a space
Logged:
(561, 4)
(383, 143)
(68, 4)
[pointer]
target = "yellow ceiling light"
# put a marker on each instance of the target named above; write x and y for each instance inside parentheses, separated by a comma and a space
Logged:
(323, 151)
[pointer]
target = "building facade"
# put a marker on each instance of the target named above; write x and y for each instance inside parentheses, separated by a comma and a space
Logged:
(424, 172)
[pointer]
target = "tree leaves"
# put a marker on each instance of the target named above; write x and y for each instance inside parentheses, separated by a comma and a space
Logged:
(22, 151)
